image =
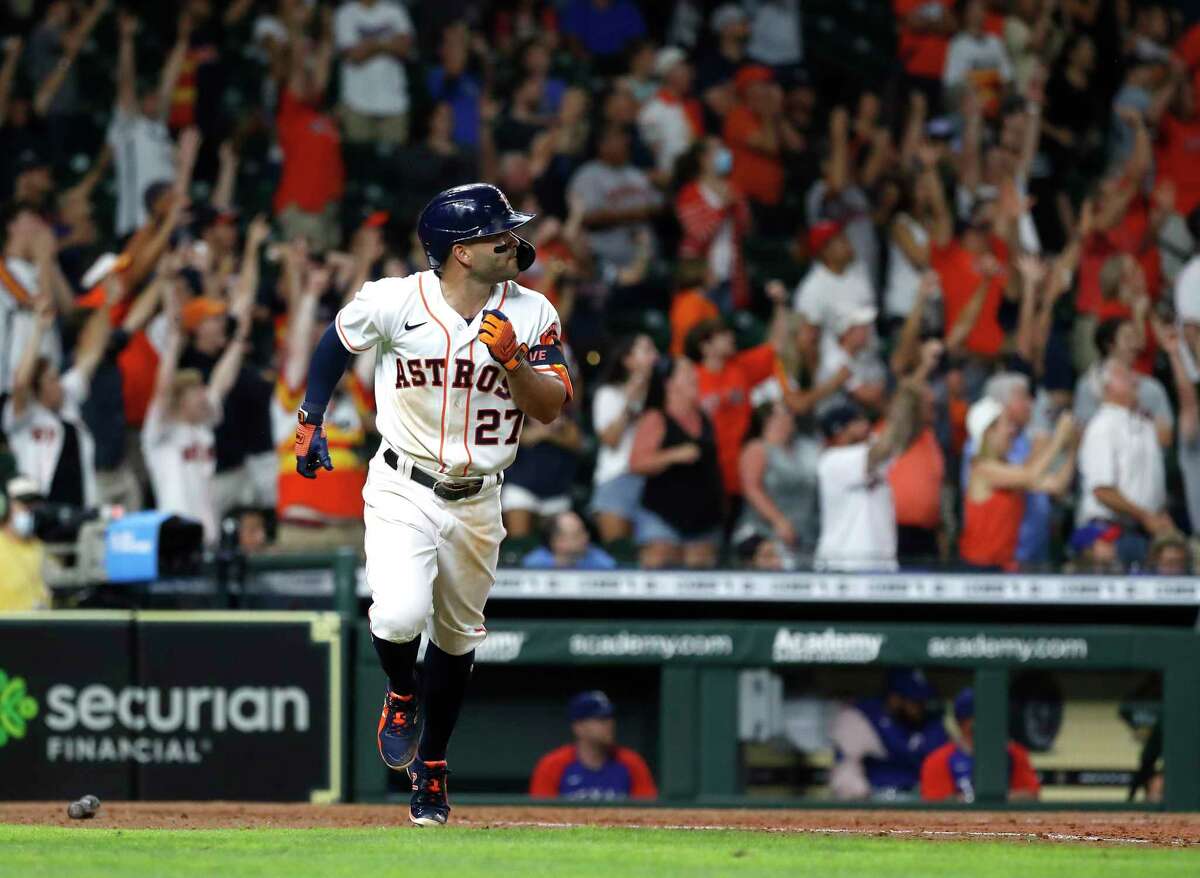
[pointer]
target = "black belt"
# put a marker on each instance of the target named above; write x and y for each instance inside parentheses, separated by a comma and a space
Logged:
(460, 489)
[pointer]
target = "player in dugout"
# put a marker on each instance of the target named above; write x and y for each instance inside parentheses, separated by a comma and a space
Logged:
(948, 773)
(594, 767)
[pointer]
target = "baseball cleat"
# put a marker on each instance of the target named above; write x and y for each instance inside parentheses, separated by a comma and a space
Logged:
(398, 730)
(429, 806)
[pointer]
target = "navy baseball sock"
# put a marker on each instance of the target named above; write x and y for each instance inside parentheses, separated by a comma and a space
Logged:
(399, 661)
(445, 687)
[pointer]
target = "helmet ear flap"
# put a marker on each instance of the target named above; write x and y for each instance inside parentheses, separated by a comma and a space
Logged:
(526, 253)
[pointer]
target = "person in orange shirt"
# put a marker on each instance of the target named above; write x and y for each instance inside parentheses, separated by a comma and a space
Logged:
(948, 773)
(916, 477)
(727, 377)
(757, 133)
(595, 766)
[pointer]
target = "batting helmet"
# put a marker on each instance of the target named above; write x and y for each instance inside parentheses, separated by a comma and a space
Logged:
(464, 213)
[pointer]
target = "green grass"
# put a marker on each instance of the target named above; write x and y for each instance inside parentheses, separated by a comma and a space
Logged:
(551, 853)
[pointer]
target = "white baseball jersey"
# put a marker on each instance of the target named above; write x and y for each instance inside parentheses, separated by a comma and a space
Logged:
(37, 436)
(441, 398)
(182, 461)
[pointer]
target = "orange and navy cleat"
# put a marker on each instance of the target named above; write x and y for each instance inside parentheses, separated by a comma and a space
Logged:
(429, 806)
(398, 730)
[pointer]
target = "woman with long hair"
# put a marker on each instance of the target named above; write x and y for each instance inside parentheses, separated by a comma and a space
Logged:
(675, 449)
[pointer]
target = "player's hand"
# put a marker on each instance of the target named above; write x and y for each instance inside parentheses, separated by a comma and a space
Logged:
(312, 450)
(496, 332)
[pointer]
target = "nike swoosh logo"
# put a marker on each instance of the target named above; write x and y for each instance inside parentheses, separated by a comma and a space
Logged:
(408, 326)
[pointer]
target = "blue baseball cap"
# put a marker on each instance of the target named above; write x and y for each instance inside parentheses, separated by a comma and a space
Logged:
(964, 704)
(910, 683)
(589, 705)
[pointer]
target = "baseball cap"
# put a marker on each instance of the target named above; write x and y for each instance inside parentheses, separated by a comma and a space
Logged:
(910, 683)
(200, 309)
(751, 74)
(848, 316)
(728, 14)
(838, 417)
(821, 233)
(1094, 532)
(667, 58)
(21, 487)
(376, 219)
(964, 704)
(589, 705)
(980, 417)
(207, 215)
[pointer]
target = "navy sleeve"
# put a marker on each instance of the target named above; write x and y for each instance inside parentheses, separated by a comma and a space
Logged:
(329, 362)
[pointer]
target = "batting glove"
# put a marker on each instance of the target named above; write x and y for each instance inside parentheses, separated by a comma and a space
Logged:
(312, 448)
(496, 332)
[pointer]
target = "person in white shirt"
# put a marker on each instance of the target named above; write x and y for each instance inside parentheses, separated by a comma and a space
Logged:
(28, 271)
(617, 494)
(663, 122)
(138, 136)
(853, 326)
(858, 514)
(1122, 479)
(42, 419)
(837, 278)
(178, 441)
(976, 58)
(373, 39)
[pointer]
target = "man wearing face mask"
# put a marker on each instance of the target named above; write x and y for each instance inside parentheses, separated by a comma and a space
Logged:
(714, 217)
(22, 587)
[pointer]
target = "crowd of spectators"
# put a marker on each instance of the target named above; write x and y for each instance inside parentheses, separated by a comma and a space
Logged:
(938, 309)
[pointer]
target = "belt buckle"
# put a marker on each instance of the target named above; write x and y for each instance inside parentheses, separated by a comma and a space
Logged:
(455, 490)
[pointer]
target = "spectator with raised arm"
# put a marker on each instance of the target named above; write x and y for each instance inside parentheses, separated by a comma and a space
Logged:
(616, 405)
(313, 177)
(177, 438)
(42, 418)
(138, 134)
(670, 121)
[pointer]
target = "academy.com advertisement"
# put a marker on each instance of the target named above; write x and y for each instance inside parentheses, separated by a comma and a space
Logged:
(177, 710)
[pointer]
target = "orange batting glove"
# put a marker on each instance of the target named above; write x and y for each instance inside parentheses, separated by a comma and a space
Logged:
(496, 332)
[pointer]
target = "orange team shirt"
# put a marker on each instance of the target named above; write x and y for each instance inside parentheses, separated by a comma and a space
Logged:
(725, 398)
(756, 173)
(937, 780)
(313, 174)
(1178, 159)
(688, 309)
(546, 780)
(956, 270)
(339, 496)
(916, 480)
(922, 54)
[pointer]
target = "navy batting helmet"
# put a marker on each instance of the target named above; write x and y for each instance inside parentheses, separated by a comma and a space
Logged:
(463, 213)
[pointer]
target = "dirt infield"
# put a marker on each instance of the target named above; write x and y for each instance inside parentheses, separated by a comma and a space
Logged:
(1065, 826)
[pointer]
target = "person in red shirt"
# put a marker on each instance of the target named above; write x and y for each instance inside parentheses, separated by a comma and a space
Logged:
(758, 133)
(948, 772)
(714, 217)
(727, 377)
(313, 175)
(595, 766)
(1178, 152)
(926, 27)
(972, 268)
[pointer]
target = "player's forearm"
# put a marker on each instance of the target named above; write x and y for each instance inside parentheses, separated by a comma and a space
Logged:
(538, 394)
(329, 362)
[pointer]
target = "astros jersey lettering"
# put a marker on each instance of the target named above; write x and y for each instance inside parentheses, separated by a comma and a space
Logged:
(441, 398)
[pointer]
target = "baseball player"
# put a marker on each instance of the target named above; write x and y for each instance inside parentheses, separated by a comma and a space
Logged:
(464, 356)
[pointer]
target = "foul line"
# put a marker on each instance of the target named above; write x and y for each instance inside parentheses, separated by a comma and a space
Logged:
(925, 833)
